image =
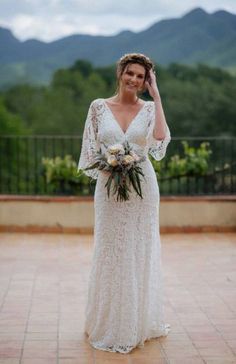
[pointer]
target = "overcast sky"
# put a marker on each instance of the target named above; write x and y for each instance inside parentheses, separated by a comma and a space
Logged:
(52, 19)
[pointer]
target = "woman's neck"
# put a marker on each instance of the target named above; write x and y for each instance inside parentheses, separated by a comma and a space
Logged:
(123, 98)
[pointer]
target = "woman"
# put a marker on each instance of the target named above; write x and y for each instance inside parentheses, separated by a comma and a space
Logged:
(124, 304)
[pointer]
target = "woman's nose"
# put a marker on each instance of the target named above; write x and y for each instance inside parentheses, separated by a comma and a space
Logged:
(134, 78)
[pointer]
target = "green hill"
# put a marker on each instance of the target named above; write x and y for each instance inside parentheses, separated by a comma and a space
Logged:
(196, 37)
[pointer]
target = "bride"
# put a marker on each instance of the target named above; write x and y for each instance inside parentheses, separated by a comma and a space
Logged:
(125, 293)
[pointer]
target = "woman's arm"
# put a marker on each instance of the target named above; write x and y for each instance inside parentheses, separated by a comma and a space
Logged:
(159, 131)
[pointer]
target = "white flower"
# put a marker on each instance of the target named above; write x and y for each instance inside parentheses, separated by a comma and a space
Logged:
(127, 159)
(116, 149)
(112, 161)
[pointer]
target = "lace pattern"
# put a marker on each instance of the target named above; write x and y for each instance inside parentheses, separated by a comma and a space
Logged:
(125, 293)
(91, 139)
(90, 143)
(157, 148)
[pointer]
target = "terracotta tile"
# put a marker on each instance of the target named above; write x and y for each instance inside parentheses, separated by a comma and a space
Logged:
(70, 344)
(39, 353)
(148, 361)
(42, 328)
(216, 350)
(203, 329)
(219, 360)
(180, 352)
(226, 328)
(39, 361)
(38, 322)
(177, 344)
(69, 335)
(229, 335)
(41, 336)
(151, 353)
(76, 361)
(115, 358)
(172, 337)
(186, 360)
(12, 335)
(11, 344)
(75, 353)
(10, 352)
(12, 328)
(199, 336)
(211, 344)
(199, 301)
(232, 345)
(40, 344)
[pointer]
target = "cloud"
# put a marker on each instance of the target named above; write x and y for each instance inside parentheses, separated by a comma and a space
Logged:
(91, 7)
(41, 28)
(52, 19)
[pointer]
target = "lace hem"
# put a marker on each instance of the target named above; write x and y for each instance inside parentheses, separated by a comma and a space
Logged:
(158, 148)
(125, 349)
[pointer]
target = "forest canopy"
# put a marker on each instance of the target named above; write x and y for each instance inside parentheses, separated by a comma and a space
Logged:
(198, 101)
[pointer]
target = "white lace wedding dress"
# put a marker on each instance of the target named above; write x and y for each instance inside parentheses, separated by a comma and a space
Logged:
(125, 298)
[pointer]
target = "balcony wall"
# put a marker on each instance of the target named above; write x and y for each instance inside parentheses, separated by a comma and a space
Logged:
(76, 214)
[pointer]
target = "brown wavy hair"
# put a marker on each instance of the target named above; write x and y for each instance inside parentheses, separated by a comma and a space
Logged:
(131, 58)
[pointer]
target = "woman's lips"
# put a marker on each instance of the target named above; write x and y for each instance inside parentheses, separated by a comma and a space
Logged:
(133, 86)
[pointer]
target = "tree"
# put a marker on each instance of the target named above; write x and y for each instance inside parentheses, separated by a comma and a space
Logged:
(10, 123)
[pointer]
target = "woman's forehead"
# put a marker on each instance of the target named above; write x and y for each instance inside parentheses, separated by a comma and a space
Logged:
(136, 67)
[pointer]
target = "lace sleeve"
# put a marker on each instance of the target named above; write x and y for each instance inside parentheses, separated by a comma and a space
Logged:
(157, 148)
(89, 142)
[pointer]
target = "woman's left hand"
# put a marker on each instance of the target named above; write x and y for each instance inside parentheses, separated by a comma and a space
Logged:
(152, 85)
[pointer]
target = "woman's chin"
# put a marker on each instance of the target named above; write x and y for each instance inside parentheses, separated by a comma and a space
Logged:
(131, 89)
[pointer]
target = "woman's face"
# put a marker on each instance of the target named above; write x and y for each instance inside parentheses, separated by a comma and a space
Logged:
(132, 79)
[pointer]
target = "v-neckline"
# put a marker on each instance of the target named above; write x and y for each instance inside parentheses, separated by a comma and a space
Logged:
(117, 122)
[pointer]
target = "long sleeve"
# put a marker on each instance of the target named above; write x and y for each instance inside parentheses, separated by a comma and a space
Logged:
(157, 148)
(89, 142)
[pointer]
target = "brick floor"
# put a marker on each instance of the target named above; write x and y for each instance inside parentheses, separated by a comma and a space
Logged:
(43, 287)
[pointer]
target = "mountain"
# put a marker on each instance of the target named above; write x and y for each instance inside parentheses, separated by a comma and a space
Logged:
(195, 37)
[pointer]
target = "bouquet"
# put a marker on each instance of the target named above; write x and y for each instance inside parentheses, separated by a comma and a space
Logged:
(122, 163)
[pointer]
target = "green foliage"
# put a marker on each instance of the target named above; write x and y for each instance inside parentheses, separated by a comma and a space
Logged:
(62, 176)
(83, 66)
(10, 123)
(108, 76)
(198, 101)
(188, 73)
(194, 162)
(65, 79)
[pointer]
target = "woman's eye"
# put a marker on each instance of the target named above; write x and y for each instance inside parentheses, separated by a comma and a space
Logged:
(130, 73)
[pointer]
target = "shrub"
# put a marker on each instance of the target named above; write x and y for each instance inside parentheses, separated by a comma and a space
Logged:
(194, 162)
(62, 176)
